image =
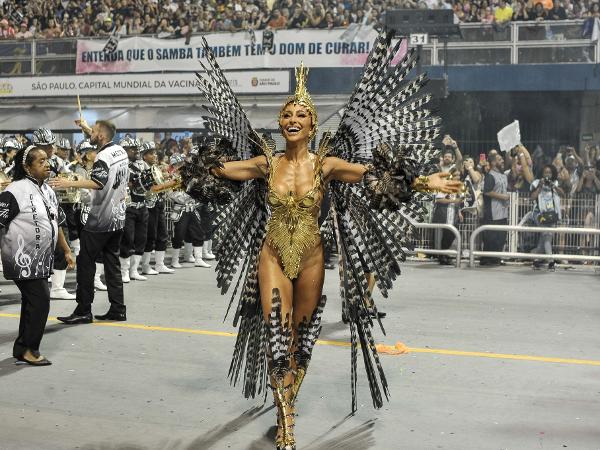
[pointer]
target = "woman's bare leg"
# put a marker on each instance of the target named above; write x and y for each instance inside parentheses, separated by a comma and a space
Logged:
(276, 300)
(308, 305)
(308, 287)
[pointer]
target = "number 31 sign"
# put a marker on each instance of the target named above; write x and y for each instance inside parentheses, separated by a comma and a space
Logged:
(419, 39)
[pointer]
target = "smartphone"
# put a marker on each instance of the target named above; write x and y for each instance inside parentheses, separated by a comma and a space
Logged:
(482, 158)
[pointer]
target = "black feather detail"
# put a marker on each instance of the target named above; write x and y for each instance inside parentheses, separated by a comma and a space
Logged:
(308, 333)
(388, 183)
(280, 337)
(198, 180)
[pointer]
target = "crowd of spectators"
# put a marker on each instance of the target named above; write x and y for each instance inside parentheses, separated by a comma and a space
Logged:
(566, 181)
(48, 19)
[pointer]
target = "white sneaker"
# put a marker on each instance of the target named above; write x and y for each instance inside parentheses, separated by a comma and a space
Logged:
(198, 261)
(148, 270)
(62, 294)
(125, 264)
(188, 253)
(136, 276)
(58, 281)
(206, 250)
(133, 273)
(164, 269)
(98, 284)
(175, 258)
(160, 266)
(125, 276)
(146, 267)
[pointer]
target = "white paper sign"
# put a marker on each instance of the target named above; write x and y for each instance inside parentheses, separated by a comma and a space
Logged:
(509, 136)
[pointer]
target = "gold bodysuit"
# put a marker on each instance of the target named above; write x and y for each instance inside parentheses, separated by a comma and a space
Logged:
(293, 227)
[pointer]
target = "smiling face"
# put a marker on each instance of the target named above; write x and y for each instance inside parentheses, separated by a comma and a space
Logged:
(38, 168)
(296, 123)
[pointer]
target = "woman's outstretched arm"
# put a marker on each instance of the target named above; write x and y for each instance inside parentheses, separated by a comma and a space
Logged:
(340, 170)
(247, 169)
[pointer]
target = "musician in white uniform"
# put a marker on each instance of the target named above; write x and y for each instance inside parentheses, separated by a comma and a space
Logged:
(157, 235)
(103, 228)
(136, 214)
(82, 167)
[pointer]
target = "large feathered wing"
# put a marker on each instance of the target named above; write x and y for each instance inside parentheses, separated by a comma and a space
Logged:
(241, 226)
(386, 125)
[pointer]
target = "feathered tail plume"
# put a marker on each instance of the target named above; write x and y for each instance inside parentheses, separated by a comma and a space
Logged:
(308, 333)
(280, 338)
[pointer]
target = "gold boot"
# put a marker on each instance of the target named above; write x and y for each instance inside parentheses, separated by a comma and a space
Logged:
(285, 439)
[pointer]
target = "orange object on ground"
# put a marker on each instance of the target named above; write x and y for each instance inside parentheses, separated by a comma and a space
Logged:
(397, 349)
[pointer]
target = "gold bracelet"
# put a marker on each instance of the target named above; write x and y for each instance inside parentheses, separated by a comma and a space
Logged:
(421, 184)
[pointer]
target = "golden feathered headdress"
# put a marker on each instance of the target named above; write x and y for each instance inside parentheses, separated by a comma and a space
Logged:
(302, 97)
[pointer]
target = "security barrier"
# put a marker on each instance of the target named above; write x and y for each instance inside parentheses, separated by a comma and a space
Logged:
(519, 255)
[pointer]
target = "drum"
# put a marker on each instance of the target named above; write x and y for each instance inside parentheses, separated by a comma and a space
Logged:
(177, 212)
(144, 180)
(69, 195)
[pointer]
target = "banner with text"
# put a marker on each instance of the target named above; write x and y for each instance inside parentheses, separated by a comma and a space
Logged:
(247, 82)
(316, 48)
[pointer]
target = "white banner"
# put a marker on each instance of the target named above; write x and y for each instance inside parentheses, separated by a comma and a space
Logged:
(247, 82)
(316, 48)
(509, 136)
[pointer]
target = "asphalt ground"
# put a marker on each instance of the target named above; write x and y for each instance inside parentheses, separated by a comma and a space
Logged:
(500, 358)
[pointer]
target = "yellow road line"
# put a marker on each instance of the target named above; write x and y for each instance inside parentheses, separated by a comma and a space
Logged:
(438, 351)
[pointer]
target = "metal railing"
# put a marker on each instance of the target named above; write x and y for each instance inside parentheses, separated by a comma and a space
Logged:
(577, 212)
(514, 43)
(457, 253)
(518, 255)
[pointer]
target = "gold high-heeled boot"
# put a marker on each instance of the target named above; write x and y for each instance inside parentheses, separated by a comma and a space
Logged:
(285, 439)
(280, 371)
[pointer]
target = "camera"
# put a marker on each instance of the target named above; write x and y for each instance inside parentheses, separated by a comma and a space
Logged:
(547, 181)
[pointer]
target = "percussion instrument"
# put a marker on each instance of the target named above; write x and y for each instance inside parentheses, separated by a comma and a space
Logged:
(177, 212)
(68, 195)
(144, 180)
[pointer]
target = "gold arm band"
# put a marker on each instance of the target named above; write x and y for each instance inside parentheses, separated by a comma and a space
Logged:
(421, 184)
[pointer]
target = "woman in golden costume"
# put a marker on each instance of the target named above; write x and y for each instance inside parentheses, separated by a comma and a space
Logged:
(375, 166)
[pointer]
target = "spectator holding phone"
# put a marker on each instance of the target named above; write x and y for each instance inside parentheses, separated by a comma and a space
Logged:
(520, 175)
(589, 182)
(451, 155)
(546, 192)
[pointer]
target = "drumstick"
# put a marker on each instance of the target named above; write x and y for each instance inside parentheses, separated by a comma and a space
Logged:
(79, 106)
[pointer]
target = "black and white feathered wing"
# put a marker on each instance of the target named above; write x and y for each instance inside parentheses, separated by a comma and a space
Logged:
(241, 228)
(385, 125)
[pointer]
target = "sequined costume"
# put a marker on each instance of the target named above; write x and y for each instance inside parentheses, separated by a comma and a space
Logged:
(293, 226)
(384, 127)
